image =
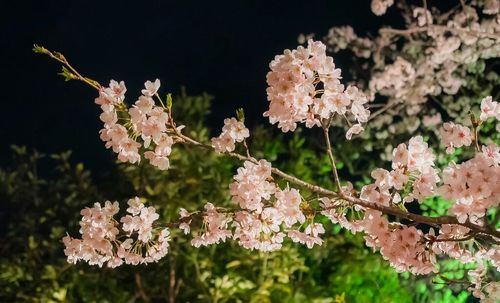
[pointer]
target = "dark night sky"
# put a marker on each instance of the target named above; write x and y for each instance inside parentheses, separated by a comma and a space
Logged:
(219, 47)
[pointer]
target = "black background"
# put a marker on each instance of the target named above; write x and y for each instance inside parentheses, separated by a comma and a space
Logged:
(219, 47)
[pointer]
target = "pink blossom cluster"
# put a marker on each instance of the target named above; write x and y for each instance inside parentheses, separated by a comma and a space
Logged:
(399, 244)
(414, 163)
(406, 247)
(114, 134)
(263, 229)
(251, 186)
(473, 185)
(258, 231)
(144, 120)
(454, 136)
(267, 214)
(104, 241)
(216, 227)
(260, 222)
(427, 62)
(233, 131)
(403, 246)
(487, 292)
(489, 109)
(455, 249)
(304, 87)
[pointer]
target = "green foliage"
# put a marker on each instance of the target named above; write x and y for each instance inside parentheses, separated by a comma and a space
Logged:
(38, 209)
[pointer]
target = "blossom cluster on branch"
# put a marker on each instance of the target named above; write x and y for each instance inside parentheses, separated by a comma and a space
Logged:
(430, 70)
(144, 119)
(105, 241)
(304, 87)
(295, 96)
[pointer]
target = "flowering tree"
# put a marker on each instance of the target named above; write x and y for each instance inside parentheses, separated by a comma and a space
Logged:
(439, 67)
(272, 206)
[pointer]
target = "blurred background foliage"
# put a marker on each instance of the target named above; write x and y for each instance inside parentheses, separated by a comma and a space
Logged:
(41, 197)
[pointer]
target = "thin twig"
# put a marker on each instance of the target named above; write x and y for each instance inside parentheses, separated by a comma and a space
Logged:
(171, 285)
(138, 283)
(330, 155)
(443, 28)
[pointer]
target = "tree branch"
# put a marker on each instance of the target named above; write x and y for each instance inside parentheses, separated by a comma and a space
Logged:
(390, 210)
(326, 134)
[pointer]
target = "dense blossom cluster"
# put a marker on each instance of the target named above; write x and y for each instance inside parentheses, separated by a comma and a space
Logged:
(267, 214)
(418, 70)
(473, 185)
(304, 87)
(144, 120)
(413, 163)
(454, 135)
(104, 241)
(216, 227)
(233, 131)
(440, 69)
(489, 109)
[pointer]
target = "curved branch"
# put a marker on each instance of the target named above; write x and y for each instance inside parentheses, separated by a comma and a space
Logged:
(390, 210)
(294, 180)
(414, 30)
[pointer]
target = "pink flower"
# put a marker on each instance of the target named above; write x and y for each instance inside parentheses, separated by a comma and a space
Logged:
(223, 143)
(100, 243)
(233, 131)
(288, 204)
(489, 108)
(454, 135)
(114, 94)
(461, 209)
(314, 229)
(135, 206)
(151, 88)
(293, 95)
(420, 156)
(354, 130)
(492, 153)
(400, 156)
(184, 226)
(382, 177)
(216, 230)
(236, 130)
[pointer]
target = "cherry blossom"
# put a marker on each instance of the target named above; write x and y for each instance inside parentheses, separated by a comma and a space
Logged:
(294, 94)
(233, 131)
(266, 212)
(489, 108)
(454, 135)
(216, 228)
(151, 88)
(101, 245)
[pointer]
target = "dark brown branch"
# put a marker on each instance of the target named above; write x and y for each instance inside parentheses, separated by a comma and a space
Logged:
(311, 187)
